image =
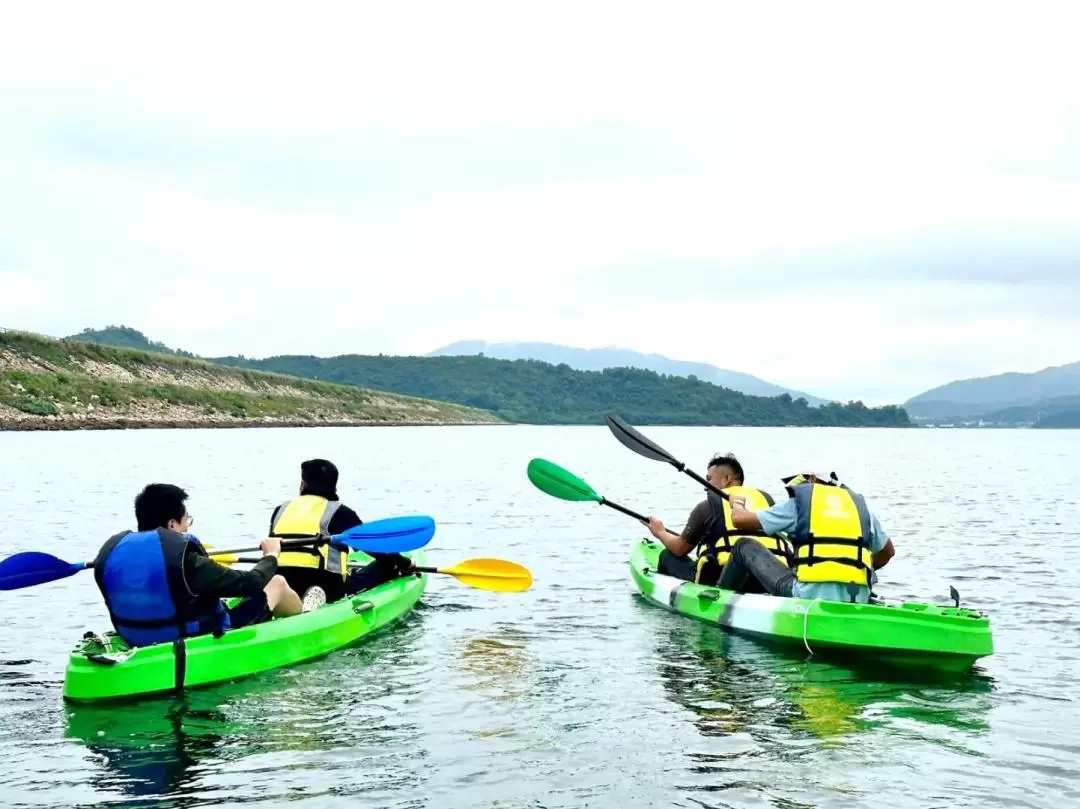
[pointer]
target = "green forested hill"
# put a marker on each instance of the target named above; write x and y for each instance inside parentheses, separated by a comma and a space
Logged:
(536, 392)
(126, 337)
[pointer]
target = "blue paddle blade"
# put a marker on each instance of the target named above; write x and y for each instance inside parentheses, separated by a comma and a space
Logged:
(34, 567)
(392, 535)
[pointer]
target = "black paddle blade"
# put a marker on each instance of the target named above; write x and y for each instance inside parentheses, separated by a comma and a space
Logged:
(632, 439)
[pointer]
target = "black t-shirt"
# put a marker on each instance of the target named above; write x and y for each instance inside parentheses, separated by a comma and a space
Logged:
(697, 524)
(344, 519)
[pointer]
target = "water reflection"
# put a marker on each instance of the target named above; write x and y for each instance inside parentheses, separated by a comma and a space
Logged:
(279, 733)
(148, 748)
(754, 704)
(498, 664)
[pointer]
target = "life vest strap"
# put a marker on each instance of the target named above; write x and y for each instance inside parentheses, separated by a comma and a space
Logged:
(180, 656)
(810, 560)
(827, 540)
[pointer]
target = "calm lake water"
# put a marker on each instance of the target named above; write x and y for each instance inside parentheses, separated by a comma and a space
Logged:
(575, 693)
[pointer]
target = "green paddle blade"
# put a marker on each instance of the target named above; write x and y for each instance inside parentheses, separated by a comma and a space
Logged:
(556, 481)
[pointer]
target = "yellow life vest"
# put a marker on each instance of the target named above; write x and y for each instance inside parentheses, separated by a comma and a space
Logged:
(309, 516)
(722, 534)
(832, 533)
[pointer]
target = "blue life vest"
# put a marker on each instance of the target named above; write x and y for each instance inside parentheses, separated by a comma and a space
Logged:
(141, 577)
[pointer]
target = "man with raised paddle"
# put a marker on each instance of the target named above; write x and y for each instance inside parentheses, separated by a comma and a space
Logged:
(710, 530)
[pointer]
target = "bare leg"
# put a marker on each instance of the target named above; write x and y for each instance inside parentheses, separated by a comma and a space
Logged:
(282, 599)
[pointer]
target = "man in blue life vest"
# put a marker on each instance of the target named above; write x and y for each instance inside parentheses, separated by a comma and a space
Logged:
(159, 584)
(321, 572)
(710, 530)
(838, 543)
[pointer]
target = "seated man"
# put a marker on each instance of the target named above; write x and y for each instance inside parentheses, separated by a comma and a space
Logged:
(710, 529)
(838, 544)
(322, 572)
(159, 584)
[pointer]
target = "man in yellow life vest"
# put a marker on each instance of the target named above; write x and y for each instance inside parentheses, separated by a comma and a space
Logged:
(838, 544)
(710, 529)
(322, 573)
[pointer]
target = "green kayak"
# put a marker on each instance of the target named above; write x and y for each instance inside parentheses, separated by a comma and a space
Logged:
(104, 667)
(942, 637)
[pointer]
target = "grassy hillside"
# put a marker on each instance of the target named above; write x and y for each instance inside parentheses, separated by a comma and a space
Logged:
(62, 384)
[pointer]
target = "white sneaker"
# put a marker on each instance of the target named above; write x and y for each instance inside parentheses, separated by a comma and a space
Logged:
(314, 597)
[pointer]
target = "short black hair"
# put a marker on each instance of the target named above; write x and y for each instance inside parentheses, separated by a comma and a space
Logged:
(731, 462)
(319, 474)
(157, 504)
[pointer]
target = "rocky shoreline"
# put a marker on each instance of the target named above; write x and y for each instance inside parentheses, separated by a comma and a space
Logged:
(69, 425)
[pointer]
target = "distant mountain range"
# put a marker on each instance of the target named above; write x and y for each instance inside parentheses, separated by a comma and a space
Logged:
(1049, 397)
(598, 359)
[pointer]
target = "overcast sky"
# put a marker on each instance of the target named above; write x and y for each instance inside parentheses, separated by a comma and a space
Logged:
(859, 200)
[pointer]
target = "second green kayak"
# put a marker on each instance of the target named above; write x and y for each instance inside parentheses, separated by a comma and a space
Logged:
(104, 667)
(926, 635)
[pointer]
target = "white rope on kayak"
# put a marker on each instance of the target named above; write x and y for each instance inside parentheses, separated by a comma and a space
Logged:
(806, 623)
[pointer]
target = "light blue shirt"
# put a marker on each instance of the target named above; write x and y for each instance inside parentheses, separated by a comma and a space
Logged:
(781, 519)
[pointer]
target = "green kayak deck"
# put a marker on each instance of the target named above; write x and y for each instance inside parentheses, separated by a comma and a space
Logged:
(104, 667)
(942, 637)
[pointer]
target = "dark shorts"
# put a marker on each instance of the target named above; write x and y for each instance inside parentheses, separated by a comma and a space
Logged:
(383, 568)
(685, 567)
(754, 568)
(681, 567)
(252, 610)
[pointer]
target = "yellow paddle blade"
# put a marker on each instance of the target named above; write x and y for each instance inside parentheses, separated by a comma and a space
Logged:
(491, 574)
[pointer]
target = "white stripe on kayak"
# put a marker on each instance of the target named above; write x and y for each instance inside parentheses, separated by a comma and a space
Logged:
(754, 612)
(663, 587)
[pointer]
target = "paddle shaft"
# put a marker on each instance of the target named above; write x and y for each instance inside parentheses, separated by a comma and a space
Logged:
(289, 543)
(647, 448)
(605, 502)
(703, 482)
(251, 560)
(286, 543)
(486, 574)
